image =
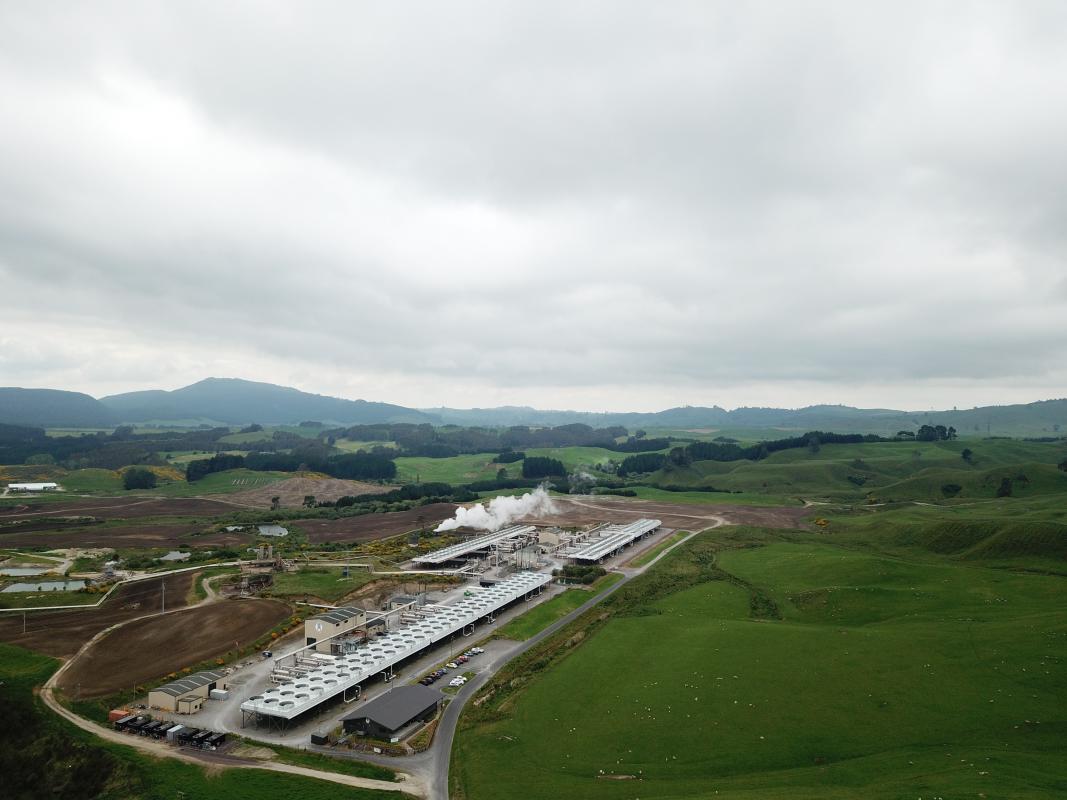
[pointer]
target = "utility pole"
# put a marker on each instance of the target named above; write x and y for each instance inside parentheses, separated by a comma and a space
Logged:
(163, 589)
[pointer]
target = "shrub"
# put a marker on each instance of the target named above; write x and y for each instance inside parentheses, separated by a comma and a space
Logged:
(138, 478)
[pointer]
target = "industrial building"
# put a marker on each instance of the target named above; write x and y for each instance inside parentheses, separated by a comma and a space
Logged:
(321, 627)
(387, 715)
(609, 540)
(47, 486)
(508, 539)
(187, 695)
(317, 677)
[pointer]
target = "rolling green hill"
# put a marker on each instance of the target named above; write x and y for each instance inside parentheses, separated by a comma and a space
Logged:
(886, 471)
(752, 664)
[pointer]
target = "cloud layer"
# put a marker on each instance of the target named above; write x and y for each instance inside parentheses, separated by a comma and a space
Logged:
(611, 206)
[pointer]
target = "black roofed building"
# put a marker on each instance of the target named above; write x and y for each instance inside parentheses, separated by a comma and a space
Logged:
(385, 716)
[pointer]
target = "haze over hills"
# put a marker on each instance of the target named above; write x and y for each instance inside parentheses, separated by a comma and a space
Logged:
(233, 401)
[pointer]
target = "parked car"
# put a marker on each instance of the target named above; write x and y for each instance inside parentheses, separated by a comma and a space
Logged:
(477, 650)
(452, 665)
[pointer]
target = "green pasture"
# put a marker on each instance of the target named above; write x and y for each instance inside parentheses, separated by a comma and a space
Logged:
(544, 614)
(455, 470)
(795, 669)
(352, 445)
(228, 482)
(886, 471)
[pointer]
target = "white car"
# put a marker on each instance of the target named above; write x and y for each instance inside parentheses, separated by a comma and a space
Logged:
(451, 665)
(457, 681)
(477, 651)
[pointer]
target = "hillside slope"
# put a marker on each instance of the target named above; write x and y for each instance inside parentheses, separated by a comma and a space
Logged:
(234, 401)
(52, 408)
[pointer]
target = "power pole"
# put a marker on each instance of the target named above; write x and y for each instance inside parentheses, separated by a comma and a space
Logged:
(163, 589)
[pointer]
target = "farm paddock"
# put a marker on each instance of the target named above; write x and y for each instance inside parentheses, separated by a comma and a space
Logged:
(148, 648)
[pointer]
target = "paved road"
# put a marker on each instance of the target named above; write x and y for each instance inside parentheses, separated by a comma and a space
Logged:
(432, 766)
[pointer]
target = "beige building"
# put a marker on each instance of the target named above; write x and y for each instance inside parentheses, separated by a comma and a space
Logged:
(321, 627)
(186, 695)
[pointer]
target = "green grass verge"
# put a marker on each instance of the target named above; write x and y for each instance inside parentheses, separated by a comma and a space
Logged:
(44, 599)
(544, 614)
(320, 761)
(652, 552)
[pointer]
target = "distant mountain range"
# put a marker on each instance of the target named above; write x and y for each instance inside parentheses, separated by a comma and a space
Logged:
(227, 401)
(231, 401)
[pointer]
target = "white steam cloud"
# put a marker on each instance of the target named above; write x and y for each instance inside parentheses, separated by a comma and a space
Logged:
(500, 511)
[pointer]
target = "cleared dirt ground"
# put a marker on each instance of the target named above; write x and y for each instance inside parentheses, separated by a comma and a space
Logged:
(122, 508)
(147, 649)
(61, 633)
(573, 511)
(292, 491)
(373, 526)
(123, 536)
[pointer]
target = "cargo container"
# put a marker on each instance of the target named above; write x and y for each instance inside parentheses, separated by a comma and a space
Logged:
(219, 694)
(175, 732)
(115, 714)
(120, 724)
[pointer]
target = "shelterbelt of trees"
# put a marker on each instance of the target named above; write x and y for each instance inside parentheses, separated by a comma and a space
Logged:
(724, 450)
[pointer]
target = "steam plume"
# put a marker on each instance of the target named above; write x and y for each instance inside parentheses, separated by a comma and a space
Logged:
(501, 511)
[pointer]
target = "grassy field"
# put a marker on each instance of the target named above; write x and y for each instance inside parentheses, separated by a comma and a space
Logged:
(713, 498)
(228, 482)
(541, 616)
(42, 599)
(41, 755)
(352, 446)
(887, 471)
(754, 664)
(302, 758)
(326, 583)
(455, 470)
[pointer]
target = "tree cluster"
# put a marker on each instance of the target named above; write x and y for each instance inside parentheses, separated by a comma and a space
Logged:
(542, 467)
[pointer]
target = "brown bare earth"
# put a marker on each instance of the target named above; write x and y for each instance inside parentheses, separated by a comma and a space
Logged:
(147, 649)
(123, 508)
(61, 633)
(292, 491)
(576, 511)
(148, 534)
(373, 526)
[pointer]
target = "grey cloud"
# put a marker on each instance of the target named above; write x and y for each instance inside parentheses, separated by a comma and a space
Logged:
(538, 202)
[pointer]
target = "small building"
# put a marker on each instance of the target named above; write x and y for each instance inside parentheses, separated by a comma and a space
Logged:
(273, 530)
(47, 486)
(319, 628)
(385, 716)
(186, 695)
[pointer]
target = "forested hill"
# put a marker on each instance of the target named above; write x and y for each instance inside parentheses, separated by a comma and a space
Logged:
(1047, 417)
(52, 408)
(231, 401)
(234, 401)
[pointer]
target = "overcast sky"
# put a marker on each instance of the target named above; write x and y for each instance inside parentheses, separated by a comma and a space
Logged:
(601, 206)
